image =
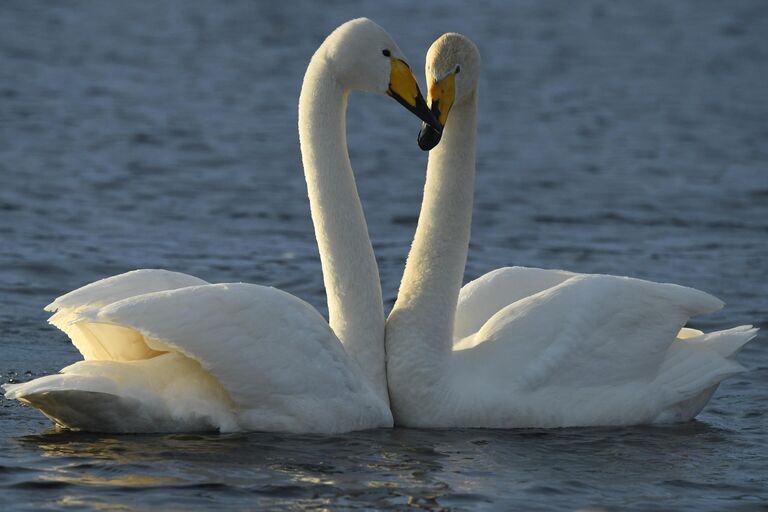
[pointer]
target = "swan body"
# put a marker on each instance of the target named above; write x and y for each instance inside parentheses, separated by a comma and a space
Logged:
(526, 347)
(165, 351)
(168, 352)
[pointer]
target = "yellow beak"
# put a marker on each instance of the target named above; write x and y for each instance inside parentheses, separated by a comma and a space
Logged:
(440, 97)
(404, 89)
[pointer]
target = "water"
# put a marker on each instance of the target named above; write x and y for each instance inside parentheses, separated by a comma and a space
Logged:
(616, 137)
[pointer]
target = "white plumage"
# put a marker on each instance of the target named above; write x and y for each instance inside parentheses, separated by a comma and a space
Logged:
(526, 347)
(169, 352)
(588, 350)
(200, 357)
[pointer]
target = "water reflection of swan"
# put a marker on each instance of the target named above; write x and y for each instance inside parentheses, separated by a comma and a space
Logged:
(169, 352)
(524, 347)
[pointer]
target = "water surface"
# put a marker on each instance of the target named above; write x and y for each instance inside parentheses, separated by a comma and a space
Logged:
(615, 137)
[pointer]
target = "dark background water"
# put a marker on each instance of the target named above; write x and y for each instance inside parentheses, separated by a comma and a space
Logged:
(615, 137)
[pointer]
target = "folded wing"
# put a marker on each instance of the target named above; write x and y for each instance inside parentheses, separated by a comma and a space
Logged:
(273, 353)
(482, 298)
(589, 330)
(108, 343)
(172, 352)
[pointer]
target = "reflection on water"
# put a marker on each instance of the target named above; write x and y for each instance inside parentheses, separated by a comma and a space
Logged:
(392, 468)
(616, 137)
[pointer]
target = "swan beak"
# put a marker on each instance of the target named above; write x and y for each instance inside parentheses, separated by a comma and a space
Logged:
(440, 97)
(404, 89)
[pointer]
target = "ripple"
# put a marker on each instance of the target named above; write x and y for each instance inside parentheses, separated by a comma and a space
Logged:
(616, 137)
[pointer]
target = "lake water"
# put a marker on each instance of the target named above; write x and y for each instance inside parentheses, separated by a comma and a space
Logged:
(615, 137)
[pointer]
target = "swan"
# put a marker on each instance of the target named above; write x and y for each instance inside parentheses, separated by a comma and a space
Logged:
(527, 347)
(165, 351)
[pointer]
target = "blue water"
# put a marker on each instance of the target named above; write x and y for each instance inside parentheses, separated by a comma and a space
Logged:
(615, 137)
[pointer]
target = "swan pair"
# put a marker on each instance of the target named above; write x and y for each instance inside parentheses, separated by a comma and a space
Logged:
(518, 347)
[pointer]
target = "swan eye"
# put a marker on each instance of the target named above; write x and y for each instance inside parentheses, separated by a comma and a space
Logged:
(386, 53)
(458, 68)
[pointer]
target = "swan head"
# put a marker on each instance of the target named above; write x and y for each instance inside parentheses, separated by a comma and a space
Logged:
(365, 58)
(453, 71)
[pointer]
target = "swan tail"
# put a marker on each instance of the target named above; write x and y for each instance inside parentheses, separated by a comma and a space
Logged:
(693, 369)
(727, 343)
(168, 394)
(96, 411)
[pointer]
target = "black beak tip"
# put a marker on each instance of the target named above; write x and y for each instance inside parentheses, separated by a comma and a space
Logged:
(428, 137)
(429, 117)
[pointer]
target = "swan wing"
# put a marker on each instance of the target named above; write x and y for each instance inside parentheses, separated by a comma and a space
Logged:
(589, 330)
(274, 354)
(111, 289)
(480, 299)
(108, 343)
(169, 352)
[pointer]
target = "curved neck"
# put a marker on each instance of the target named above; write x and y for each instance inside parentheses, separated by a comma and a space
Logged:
(350, 273)
(421, 322)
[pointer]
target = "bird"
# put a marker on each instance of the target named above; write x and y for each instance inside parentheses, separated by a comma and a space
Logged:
(527, 347)
(169, 352)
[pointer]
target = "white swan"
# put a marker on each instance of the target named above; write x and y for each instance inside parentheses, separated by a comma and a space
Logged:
(524, 347)
(169, 352)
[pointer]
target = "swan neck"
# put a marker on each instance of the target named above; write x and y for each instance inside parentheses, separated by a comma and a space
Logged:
(421, 322)
(350, 273)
